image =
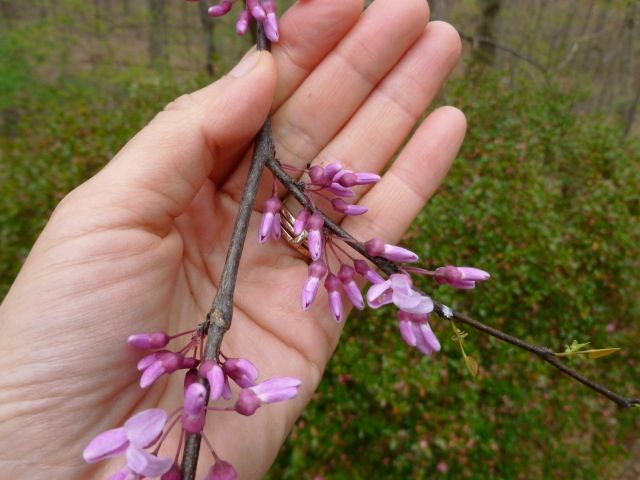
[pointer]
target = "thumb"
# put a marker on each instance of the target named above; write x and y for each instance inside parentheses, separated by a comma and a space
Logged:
(159, 172)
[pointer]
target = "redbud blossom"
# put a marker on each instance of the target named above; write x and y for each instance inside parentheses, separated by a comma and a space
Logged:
(215, 376)
(340, 205)
(270, 224)
(241, 371)
(193, 412)
(346, 276)
(270, 391)
(149, 340)
(139, 432)
(398, 290)
(157, 364)
(221, 470)
(317, 270)
(300, 222)
(460, 277)
(314, 238)
(367, 272)
(271, 22)
(332, 284)
(378, 248)
(242, 24)
(416, 332)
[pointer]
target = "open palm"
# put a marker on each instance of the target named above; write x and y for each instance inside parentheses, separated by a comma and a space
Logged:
(140, 247)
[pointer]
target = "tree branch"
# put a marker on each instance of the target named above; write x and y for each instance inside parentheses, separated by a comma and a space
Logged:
(219, 317)
(296, 189)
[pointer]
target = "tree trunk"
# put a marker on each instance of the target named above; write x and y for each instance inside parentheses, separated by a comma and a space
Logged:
(158, 42)
(484, 49)
(207, 34)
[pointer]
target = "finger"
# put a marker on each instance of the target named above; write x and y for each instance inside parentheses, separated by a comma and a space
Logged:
(326, 100)
(159, 172)
(395, 201)
(379, 127)
(309, 30)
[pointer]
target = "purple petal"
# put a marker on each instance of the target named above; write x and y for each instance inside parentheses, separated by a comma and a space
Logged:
(379, 294)
(266, 225)
(276, 227)
(335, 305)
(407, 333)
(309, 292)
(147, 360)
(462, 284)
(215, 377)
(470, 273)
(366, 178)
(226, 390)
(353, 293)
(277, 389)
(398, 254)
(271, 27)
(149, 340)
(300, 222)
(106, 445)
(195, 396)
(144, 428)
(427, 342)
(314, 243)
(367, 272)
(242, 24)
(242, 371)
(146, 464)
(151, 374)
(341, 191)
(332, 170)
(256, 10)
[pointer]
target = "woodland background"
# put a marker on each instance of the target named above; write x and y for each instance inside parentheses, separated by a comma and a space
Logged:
(545, 195)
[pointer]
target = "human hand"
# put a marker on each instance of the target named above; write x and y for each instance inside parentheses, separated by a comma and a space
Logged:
(140, 246)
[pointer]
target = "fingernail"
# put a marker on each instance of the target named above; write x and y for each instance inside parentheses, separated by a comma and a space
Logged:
(245, 65)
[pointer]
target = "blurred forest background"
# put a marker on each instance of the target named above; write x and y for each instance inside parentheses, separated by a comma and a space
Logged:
(545, 195)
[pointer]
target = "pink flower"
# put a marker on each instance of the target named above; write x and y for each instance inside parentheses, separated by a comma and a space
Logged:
(367, 272)
(350, 286)
(149, 340)
(398, 290)
(332, 284)
(339, 205)
(416, 332)
(139, 432)
(156, 364)
(270, 224)
(314, 238)
(193, 411)
(241, 371)
(270, 391)
(460, 277)
(221, 470)
(378, 248)
(215, 376)
(317, 270)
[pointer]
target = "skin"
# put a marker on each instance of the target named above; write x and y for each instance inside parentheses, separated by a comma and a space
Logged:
(140, 246)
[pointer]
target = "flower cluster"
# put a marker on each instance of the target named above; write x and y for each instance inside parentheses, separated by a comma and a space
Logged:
(149, 429)
(262, 11)
(341, 274)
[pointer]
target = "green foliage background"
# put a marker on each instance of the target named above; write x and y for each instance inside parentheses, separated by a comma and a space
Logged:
(543, 197)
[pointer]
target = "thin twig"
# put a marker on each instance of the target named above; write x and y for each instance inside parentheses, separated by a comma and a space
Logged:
(297, 190)
(219, 317)
(475, 40)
